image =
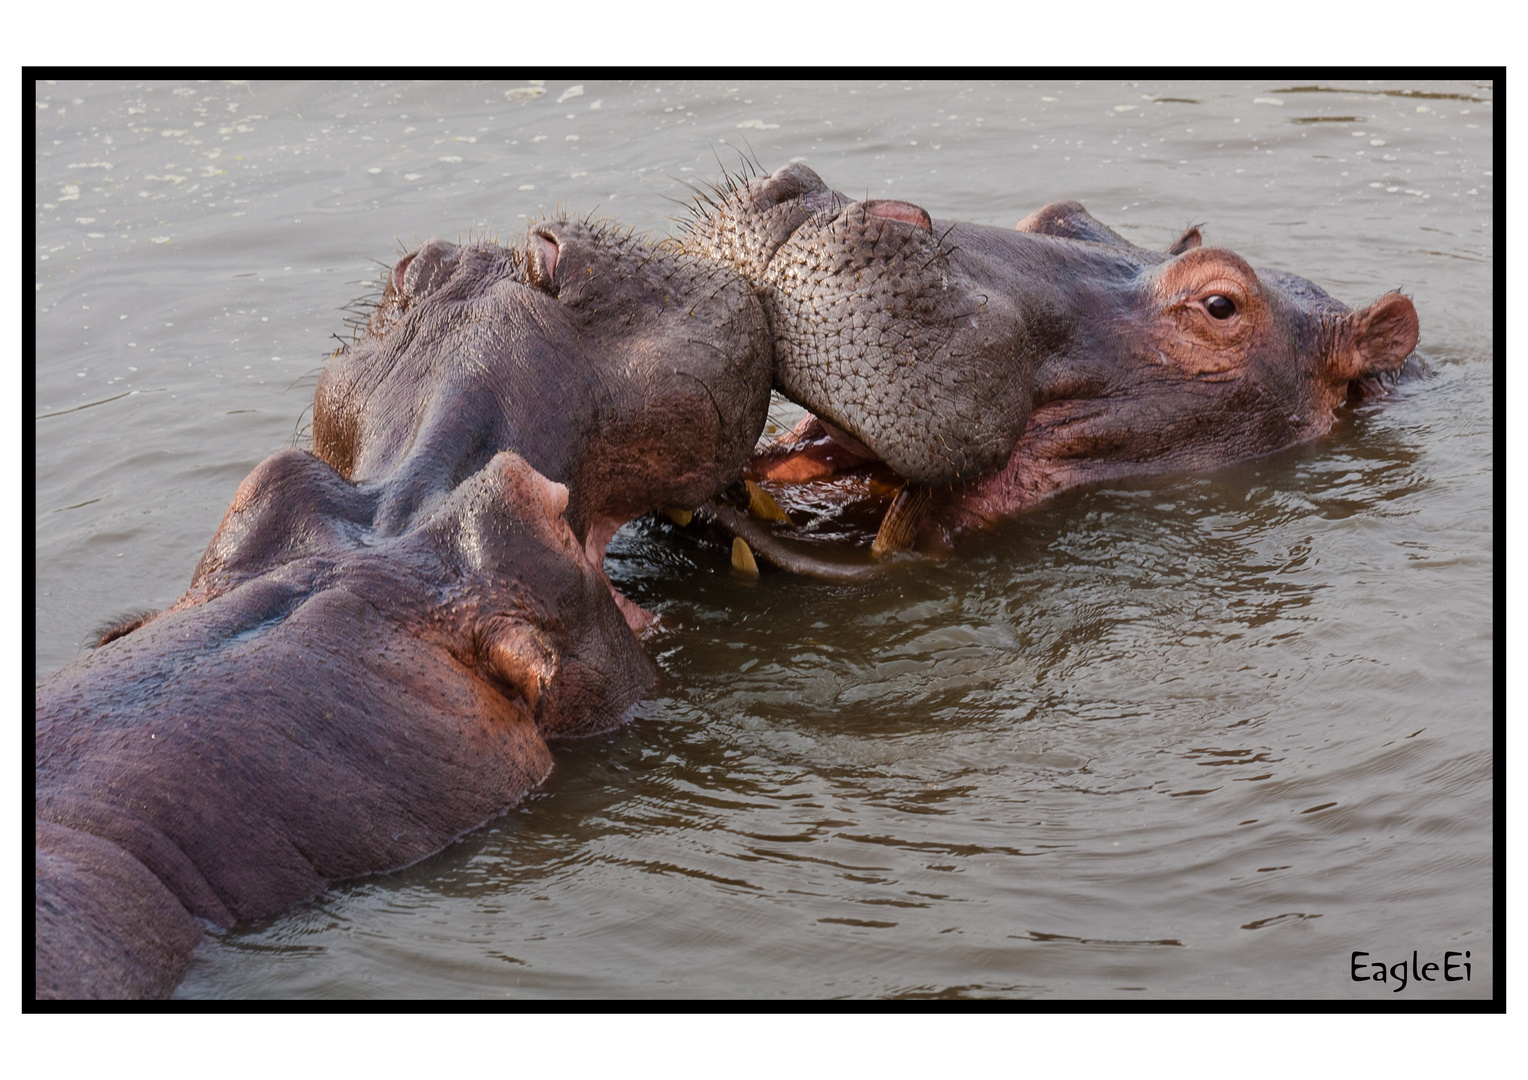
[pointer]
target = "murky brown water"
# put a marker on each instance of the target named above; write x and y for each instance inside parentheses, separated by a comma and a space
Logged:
(1189, 736)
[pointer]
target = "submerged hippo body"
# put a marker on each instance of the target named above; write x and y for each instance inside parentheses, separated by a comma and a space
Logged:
(1037, 358)
(325, 703)
(382, 635)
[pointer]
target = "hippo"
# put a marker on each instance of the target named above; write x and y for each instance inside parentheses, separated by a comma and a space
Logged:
(385, 633)
(989, 368)
(325, 703)
(634, 374)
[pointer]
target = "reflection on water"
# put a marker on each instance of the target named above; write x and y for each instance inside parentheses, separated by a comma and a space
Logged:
(1181, 736)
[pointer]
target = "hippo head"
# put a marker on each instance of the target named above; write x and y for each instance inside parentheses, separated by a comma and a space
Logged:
(633, 374)
(547, 630)
(324, 703)
(1197, 360)
(492, 576)
(875, 331)
(1034, 359)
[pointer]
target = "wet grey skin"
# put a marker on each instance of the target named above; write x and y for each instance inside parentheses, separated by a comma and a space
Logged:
(1001, 365)
(929, 342)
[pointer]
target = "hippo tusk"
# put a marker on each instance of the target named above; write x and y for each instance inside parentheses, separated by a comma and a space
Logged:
(677, 516)
(742, 558)
(903, 518)
(762, 505)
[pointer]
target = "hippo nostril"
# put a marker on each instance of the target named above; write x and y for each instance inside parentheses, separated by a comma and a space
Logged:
(899, 211)
(1219, 307)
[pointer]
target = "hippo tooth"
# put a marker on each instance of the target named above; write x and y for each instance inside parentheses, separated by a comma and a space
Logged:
(903, 517)
(742, 557)
(762, 505)
(679, 517)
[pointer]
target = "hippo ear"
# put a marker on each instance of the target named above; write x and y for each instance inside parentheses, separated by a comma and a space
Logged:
(1187, 242)
(517, 655)
(1070, 220)
(1383, 336)
(899, 211)
(789, 182)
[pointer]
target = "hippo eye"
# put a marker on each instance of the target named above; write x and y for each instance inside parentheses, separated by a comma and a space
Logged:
(1219, 307)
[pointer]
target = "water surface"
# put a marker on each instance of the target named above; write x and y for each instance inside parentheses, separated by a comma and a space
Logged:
(1188, 736)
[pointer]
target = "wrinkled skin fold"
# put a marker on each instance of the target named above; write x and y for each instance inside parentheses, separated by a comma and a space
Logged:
(997, 367)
